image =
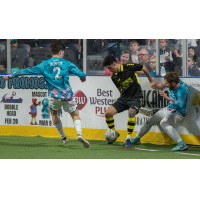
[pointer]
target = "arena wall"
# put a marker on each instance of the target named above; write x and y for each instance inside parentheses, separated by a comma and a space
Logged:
(93, 98)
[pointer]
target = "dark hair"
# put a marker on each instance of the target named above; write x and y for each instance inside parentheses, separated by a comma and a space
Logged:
(56, 47)
(108, 60)
(195, 52)
(172, 76)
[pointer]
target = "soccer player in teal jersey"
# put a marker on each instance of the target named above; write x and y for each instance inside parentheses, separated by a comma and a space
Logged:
(170, 115)
(56, 74)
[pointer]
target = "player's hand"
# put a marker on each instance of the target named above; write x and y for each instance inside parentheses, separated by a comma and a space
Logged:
(153, 84)
(164, 95)
(6, 77)
(160, 86)
(83, 79)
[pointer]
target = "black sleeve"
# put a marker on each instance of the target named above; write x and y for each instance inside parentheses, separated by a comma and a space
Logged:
(131, 67)
(114, 79)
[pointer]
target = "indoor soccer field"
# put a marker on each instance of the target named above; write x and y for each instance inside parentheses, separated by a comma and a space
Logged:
(16, 147)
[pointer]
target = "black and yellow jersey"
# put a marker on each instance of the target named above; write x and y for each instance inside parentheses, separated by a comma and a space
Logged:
(127, 81)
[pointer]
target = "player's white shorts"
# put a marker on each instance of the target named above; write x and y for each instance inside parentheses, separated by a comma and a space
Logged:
(68, 106)
(172, 117)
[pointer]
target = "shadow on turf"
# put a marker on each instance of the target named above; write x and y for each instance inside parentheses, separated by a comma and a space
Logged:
(41, 145)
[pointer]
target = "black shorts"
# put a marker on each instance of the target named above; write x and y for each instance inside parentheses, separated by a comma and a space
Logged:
(124, 104)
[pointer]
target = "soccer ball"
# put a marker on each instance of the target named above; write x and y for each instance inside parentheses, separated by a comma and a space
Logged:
(111, 136)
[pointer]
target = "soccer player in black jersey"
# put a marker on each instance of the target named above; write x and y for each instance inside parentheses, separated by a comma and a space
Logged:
(126, 80)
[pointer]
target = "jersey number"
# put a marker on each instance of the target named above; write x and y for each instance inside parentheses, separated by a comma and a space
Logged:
(57, 75)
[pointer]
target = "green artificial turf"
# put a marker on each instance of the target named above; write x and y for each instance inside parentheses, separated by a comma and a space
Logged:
(14, 147)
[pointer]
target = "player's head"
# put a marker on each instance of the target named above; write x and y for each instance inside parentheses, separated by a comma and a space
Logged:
(125, 57)
(110, 62)
(171, 80)
(134, 45)
(57, 49)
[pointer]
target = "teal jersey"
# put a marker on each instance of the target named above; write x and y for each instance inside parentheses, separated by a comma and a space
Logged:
(178, 99)
(56, 74)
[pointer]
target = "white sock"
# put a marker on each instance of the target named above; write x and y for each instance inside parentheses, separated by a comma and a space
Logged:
(171, 131)
(78, 127)
(128, 137)
(60, 130)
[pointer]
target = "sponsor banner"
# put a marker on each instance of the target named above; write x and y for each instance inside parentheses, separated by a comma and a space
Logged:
(24, 102)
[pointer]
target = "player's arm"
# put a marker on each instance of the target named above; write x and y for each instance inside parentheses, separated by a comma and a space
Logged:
(160, 86)
(181, 98)
(27, 71)
(120, 90)
(75, 70)
(146, 72)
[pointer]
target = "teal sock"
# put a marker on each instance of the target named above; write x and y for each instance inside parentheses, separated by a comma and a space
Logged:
(181, 142)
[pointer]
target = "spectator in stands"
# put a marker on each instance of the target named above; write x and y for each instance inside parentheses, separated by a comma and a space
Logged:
(152, 71)
(134, 46)
(165, 56)
(178, 51)
(143, 58)
(19, 58)
(151, 46)
(125, 58)
(152, 63)
(192, 70)
(179, 46)
(193, 52)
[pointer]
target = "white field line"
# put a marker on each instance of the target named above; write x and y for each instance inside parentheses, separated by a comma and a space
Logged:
(188, 154)
(145, 149)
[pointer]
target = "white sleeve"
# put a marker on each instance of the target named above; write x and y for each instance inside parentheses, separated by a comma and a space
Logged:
(177, 45)
(193, 42)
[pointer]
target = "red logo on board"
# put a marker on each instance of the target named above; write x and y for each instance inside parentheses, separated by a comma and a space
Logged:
(80, 99)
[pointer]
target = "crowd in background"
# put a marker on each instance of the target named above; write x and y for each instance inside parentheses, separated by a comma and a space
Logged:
(170, 57)
(29, 52)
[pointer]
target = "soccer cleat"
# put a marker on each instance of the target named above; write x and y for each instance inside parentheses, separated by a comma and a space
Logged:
(32, 123)
(128, 143)
(36, 123)
(64, 140)
(180, 147)
(135, 140)
(85, 143)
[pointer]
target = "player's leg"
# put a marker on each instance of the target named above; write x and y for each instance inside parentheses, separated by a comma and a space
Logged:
(71, 108)
(171, 118)
(155, 119)
(118, 106)
(130, 126)
(109, 117)
(54, 106)
(58, 125)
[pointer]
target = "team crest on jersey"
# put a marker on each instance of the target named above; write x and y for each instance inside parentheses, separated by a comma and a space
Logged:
(80, 99)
